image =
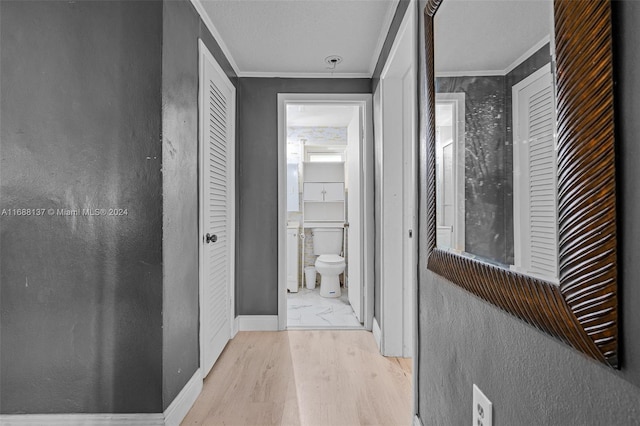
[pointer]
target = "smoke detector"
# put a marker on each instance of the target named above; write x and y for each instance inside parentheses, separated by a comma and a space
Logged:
(332, 61)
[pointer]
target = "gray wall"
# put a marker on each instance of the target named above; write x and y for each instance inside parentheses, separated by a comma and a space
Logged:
(530, 377)
(181, 29)
(99, 109)
(257, 184)
(81, 327)
(401, 9)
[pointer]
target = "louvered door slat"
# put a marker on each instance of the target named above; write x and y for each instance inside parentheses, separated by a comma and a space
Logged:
(542, 182)
(217, 132)
(536, 246)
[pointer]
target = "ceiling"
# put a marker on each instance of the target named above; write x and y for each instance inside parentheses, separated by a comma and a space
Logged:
(292, 38)
(488, 35)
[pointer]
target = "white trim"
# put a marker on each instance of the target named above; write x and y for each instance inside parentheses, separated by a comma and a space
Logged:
(172, 416)
(533, 49)
(214, 32)
(236, 327)
(477, 73)
(150, 419)
(203, 50)
(377, 334)
(499, 73)
(396, 328)
(457, 100)
(364, 101)
(178, 409)
(416, 420)
(284, 74)
(386, 26)
(258, 322)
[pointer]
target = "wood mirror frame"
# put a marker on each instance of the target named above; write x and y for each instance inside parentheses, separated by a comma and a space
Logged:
(583, 310)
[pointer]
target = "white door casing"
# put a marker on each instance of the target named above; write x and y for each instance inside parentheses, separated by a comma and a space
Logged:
(354, 214)
(409, 208)
(398, 263)
(217, 195)
(366, 229)
(451, 212)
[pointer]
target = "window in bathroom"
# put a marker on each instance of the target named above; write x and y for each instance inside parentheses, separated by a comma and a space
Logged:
(325, 157)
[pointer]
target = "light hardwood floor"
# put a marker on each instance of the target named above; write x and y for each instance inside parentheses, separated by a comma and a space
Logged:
(306, 378)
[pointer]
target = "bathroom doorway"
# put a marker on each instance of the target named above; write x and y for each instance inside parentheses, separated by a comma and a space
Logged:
(325, 255)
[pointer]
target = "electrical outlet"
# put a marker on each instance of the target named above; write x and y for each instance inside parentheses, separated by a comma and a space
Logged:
(482, 408)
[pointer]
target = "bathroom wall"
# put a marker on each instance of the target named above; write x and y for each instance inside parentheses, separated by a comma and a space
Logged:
(485, 181)
(318, 135)
(257, 185)
(489, 156)
(533, 379)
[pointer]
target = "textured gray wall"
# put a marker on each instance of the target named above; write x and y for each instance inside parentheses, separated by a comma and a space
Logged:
(81, 326)
(100, 315)
(531, 378)
(181, 29)
(257, 184)
(180, 356)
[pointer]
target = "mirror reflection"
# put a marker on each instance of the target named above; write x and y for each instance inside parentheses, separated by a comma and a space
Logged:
(495, 133)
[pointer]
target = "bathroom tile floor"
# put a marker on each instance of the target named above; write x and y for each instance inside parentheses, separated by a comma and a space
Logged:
(307, 309)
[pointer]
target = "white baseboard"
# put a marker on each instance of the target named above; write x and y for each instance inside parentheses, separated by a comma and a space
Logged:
(377, 334)
(180, 406)
(236, 327)
(417, 421)
(151, 419)
(258, 322)
(172, 416)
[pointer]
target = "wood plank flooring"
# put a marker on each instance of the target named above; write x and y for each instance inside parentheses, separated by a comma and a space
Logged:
(305, 378)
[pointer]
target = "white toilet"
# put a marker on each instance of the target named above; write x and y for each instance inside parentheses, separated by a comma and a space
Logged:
(327, 244)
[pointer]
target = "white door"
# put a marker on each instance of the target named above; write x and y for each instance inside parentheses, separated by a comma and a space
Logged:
(355, 280)
(217, 121)
(409, 203)
(398, 263)
(534, 155)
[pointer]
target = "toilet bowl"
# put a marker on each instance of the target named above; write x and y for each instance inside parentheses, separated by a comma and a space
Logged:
(330, 266)
(327, 244)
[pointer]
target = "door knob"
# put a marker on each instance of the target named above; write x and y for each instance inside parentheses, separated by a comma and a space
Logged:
(211, 238)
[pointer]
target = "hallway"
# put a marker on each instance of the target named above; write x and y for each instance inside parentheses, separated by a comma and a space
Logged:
(305, 378)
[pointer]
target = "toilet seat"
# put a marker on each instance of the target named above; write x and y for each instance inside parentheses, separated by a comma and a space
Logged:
(330, 259)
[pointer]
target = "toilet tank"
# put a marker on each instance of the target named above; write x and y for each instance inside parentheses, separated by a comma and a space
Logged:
(327, 240)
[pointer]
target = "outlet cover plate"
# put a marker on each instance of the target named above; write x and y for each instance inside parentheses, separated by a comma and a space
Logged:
(482, 408)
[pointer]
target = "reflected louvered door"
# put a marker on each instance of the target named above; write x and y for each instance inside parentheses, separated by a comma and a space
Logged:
(217, 132)
(536, 129)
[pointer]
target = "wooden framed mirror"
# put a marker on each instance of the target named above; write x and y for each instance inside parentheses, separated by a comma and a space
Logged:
(575, 299)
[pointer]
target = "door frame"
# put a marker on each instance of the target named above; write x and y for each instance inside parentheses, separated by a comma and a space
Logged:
(364, 101)
(231, 187)
(394, 298)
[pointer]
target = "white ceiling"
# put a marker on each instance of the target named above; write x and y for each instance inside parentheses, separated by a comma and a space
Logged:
(319, 115)
(488, 35)
(291, 38)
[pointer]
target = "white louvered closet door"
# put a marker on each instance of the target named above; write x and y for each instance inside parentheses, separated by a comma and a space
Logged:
(535, 177)
(217, 117)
